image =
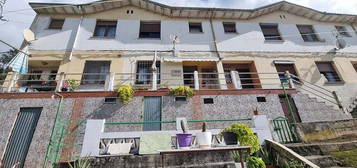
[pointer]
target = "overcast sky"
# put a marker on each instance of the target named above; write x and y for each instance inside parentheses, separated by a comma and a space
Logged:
(20, 15)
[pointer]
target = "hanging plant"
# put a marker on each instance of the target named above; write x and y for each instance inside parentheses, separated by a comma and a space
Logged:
(245, 135)
(125, 93)
(182, 91)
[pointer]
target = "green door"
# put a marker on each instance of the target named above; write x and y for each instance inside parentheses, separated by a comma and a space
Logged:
(21, 137)
(152, 112)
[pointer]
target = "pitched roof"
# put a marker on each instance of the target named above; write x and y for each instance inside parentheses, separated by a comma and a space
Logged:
(193, 12)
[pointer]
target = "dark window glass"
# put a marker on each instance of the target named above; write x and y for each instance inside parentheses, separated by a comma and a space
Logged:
(105, 29)
(143, 72)
(229, 27)
(195, 27)
(307, 33)
(56, 24)
(327, 69)
(342, 31)
(270, 31)
(355, 66)
(150, 30)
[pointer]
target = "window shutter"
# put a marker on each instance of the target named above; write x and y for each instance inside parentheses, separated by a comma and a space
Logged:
(151, 27)
(325, 67)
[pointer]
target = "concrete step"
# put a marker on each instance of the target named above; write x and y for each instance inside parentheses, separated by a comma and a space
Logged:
(322, 161)
(323, 148)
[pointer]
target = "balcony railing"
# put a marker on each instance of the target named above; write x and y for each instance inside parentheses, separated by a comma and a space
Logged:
(32, 82)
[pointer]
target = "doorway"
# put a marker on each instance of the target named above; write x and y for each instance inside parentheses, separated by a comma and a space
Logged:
(21, 137)
(152, 112)
(290, 115)
(95, 72)
(247, 74)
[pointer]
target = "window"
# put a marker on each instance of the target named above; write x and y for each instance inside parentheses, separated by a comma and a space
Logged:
(149, 30)
(307, 33)
(327, 69)
(105, 29)
(56, 24)
(195, 27)
(95, 72)
(229, 27)
(143, 72)
(342, 31)
(270, 31)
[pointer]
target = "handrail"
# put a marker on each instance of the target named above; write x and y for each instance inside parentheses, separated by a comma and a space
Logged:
(305, 81)
(170, 122)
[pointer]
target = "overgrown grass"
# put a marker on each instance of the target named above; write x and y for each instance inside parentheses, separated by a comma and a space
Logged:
(349, 158)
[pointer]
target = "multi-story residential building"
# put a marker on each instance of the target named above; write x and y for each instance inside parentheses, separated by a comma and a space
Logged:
(234, 59)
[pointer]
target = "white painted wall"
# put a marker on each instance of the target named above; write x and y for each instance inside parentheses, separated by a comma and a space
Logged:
(248, 38)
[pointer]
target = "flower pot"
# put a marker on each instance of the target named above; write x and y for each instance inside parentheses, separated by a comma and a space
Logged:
(230, 138)
(269, 166)
(184, 140)
(256, 112)
(204, 139)
(64, 89)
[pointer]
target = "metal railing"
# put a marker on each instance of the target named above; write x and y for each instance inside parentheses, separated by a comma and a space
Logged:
(41, 82)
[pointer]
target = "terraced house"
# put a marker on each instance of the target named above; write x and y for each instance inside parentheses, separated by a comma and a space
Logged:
(283, 60)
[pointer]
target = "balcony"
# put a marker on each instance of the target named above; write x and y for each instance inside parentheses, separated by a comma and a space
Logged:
(203, 80)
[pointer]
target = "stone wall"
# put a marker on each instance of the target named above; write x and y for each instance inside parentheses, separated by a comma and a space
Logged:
(328, 130)
(76, 109)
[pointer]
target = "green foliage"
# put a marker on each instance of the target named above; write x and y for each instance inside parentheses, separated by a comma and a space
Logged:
(184, 126)
(182, 91)
(255, 162)
(348, 158)
(6, 57)
(80, 163)
(292, 164)
(265, 155)
(245, 136)
(125, 93)
(72, 84)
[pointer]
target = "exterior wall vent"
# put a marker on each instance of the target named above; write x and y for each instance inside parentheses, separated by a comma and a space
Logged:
(261, 99)
(180, 98)
(208, 101)
(110, 100)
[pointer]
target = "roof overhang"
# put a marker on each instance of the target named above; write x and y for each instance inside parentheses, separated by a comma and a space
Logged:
(193, 12)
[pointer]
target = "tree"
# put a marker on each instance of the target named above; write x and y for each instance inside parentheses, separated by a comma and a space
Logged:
(5, 58)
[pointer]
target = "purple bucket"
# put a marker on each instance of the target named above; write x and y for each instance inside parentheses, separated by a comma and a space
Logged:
(184, 140)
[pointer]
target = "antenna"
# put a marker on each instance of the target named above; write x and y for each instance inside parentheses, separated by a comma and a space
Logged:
(175, 39)
(340, 42)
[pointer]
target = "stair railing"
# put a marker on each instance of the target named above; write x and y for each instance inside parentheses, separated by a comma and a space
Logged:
(316, 90)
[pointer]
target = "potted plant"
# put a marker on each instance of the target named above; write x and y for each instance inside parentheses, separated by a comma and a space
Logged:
(255, 162)
(184, 139)
(204, 138)
(125, 93)
(182, 91)
(241, 133)
(70, 85)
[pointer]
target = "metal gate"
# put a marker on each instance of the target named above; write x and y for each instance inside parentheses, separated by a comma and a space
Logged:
(21, 137)
(285, 131)
(152, 112)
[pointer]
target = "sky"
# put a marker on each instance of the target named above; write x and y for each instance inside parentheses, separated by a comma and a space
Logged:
(20, 16)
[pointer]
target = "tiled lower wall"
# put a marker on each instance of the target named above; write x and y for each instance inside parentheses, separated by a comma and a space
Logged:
(81, 108)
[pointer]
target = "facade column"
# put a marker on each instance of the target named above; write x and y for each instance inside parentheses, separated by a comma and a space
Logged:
(221, 78)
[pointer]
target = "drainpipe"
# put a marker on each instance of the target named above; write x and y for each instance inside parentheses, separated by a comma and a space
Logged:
(221, 78)
(59, 106)
(72, 46)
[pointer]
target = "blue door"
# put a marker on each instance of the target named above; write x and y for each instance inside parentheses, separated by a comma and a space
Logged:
(21, 137)
(152, 112)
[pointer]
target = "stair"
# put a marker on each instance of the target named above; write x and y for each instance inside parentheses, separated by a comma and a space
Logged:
(319, 153)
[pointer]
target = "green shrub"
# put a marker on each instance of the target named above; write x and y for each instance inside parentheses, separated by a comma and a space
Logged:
(182, 91)
(125, 93)
(255, 162)
(245, 136)
(80, 163)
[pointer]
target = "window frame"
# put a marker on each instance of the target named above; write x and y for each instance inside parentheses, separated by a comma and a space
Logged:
(148, 74)
(267, 37)
(229, 24)
(343, 33)
(51, 25)
(142, 36)
(190, 28)
(106, 28)
(313, 33)
(337, 77)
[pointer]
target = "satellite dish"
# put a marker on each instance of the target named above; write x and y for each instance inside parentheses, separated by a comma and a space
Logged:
(28, 35)
(340, 43)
